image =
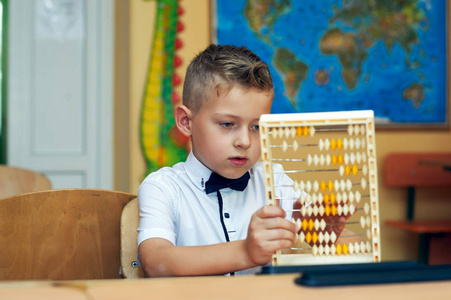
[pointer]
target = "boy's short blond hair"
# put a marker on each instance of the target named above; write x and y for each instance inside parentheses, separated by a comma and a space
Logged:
(218, 69)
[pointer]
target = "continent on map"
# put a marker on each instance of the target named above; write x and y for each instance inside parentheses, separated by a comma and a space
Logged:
(350, 51)
(261, 15)
(368, 22)
(414, 92)
(293, 71)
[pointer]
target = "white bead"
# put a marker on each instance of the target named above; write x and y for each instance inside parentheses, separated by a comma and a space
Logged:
(348, 185)
(315, 250)
(332, 250)
(357, 197)
(295, 145)
(284, 146)
(351, 197)
(333, 237)
(362, 221)
(323, 224)
(321, 145)
(315, 186)
(363, 183)
(336, 185)
(312, 131)
(357, 247)
(356, 129)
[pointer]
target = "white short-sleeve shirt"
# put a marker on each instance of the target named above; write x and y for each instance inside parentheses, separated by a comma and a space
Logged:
(173, 205)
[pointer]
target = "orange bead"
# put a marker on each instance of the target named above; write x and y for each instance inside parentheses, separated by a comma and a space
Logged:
(327, 210)
(310, 224)
(348, 170)
(333, 144)
(330, 185)
(339, 144)
(326, 198)
(355, 170)
(334, 159)
(323, 185)
(304, 224)
(308, 237)
(334, 210)
(332, 198)
(314, 237)
(299, 131)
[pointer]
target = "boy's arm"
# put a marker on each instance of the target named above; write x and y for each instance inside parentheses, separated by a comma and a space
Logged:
(268, 231)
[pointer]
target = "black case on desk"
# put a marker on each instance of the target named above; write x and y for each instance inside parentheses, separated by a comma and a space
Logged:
(367, 273)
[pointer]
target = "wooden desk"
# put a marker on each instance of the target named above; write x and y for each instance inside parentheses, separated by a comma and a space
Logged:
(219, 287)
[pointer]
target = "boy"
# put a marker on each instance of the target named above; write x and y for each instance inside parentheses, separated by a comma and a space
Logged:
(189, 228)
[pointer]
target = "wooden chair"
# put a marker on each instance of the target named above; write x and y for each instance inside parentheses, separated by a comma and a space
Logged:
(413, 171)
(14, 181)
(129, 247)
(61, 234)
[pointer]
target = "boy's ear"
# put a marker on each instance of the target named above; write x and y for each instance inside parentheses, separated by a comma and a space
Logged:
(183, 117)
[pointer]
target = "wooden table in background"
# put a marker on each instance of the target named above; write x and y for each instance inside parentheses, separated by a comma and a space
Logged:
(217, 287)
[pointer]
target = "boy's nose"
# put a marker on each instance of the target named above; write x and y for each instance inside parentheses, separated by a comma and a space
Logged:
(243, 139)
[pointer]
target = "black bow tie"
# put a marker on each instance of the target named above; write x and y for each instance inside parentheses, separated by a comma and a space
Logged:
(217, 182)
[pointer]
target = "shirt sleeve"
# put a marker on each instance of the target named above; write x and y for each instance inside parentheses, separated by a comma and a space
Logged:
(156, 209)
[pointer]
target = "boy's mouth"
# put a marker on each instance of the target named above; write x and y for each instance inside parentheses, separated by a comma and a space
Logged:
(238, 160)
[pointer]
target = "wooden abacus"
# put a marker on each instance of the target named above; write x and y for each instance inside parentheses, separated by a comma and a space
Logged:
(331, 158)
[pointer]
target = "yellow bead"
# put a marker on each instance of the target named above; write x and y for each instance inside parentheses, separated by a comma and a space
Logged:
(299, 131)
(334, 159)
(305, 130)
(332, 198)
(308, 237)
(314, 237)
(310, 224)
(340, 159)
(355, 170)
(338, 249)
(326, 198)
(304, 224)
(330, 185)
(327, 210)
(348, 170)
(333, 144)
(323, 185)
(345, 249)
(339, 144)
(334, 210)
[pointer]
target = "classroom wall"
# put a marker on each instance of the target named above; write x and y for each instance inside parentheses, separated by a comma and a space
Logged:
(134, 28)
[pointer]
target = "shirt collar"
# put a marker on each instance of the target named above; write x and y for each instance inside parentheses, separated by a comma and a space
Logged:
(196, 171)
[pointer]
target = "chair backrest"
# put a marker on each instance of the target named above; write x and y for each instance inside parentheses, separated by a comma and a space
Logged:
(61, 234)
(129, 246)
(14, 181)
(417, 169)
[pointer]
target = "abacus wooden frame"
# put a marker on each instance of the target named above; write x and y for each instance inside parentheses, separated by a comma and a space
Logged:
(366, 117)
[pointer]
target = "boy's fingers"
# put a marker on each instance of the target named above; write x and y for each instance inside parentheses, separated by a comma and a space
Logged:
(270, 211)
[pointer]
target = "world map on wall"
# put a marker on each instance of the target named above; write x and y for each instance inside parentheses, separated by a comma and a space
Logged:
(330, 55)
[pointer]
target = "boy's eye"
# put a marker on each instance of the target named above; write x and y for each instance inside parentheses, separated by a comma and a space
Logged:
(226, 124)
(255, 127)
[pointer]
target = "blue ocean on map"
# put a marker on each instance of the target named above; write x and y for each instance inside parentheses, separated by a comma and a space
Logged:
(390, 60)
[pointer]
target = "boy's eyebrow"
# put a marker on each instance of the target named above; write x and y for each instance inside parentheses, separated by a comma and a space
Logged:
(222, 115)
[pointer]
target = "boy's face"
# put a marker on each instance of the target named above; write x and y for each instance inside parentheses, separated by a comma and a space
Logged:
(225, 134)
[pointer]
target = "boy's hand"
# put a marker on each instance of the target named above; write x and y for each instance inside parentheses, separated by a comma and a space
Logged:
(268, 232)
(335, 223)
